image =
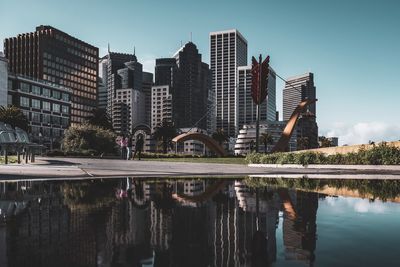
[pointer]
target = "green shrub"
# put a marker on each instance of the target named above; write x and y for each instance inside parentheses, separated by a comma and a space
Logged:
(87, 139)
(382, 154)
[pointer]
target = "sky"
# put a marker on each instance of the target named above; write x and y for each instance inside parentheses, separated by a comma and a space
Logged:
(351, 46)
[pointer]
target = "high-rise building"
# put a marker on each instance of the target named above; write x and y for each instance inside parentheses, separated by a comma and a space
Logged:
(128, 110)
(190, 96)
(297, 89)
(102, 97)
(161, 105)
(3, 80)
(189, 81)
(147, 83)
(52, 55)
(228, 50)
(109, 66)
(247, 108)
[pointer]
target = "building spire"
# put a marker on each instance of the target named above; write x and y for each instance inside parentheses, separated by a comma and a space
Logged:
(108, 48)
(134, 50)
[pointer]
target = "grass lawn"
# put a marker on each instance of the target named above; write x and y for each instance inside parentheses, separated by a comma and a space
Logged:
(201, 160)
(11, 159)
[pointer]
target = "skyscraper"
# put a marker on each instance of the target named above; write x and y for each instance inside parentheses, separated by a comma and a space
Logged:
(190, 96)
(228, 50)
(147, 83)
(110, 64)
(52, 55)
(246, 107)
(296, 89)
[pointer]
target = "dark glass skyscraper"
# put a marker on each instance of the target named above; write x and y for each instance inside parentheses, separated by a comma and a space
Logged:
(57, 57)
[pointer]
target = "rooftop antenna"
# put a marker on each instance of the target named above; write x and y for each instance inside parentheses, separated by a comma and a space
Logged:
(134, 50)
(181, 43)
(108, 48)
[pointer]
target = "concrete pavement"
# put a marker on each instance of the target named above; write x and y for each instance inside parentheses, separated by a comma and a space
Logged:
(82, 168)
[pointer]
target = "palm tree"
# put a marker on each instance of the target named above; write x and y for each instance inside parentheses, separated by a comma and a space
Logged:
(164, 132)
(99, 117)
(266, 139)
(220, 136)
(14, 116)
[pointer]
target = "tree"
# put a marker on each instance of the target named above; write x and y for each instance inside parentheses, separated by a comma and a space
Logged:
(325, 142)
(99, 117)
(266, 139)
(14, 116)
(302, 143)
(78, 138)
(164, 132)
(220, 136)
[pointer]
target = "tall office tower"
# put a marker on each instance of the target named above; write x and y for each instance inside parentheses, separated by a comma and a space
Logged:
(102, 97)
(161, 105)
(3, 80)
(110, 64)
(190, 95)
(246, 108)
(166, 72)
(228, 50)
(147, 83)
(52, 55)
(128, 105)
(296, 89)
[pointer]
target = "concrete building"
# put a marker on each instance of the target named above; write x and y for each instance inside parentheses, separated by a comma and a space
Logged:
(246, 107)
(228, 50)
(3, 80)
(52, 55)
(109, 66)
(46, 105)
(147, 83)
(161, 105)
(246, 139)
(296, 89)
(128, 110)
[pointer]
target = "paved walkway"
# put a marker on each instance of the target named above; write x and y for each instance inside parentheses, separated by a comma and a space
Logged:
(78, 168)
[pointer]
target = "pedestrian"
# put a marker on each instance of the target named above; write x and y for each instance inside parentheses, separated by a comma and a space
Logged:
(129, 148)
(139, 147)
(123, 144)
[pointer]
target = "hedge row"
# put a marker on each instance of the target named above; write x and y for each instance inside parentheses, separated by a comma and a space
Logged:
(381, 154)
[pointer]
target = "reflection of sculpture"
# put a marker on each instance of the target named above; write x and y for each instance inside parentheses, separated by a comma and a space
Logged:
(291, 124)
(207, 140)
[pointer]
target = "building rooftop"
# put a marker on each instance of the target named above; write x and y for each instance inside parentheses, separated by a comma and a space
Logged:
(229, 31)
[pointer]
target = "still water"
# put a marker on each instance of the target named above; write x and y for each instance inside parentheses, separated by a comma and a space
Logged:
(177, 222)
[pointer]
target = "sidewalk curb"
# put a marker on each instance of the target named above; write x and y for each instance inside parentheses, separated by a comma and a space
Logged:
(320, 166)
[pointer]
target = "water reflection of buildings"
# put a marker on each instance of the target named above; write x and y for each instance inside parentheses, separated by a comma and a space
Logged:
(165, 223)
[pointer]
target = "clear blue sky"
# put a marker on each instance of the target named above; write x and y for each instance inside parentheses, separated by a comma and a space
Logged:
(352, 47)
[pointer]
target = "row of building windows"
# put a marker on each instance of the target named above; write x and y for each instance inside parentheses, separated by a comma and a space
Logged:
(38, 104)
(42, 91)
(66, 65)
(76, 44)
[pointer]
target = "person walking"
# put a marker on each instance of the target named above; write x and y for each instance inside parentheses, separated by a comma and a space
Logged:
(139, 147)
(123, 144)
(129, 148)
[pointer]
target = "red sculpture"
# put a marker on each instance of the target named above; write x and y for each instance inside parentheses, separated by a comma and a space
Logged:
(259, 90)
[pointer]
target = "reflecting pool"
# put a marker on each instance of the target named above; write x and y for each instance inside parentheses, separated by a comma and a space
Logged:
(200, 222)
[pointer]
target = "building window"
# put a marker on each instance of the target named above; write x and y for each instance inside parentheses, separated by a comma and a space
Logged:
(35, 117)
(56, 94)
(24, 101)
(36, 103)
(25, 87)
(46, 105)
(65, 97)
(46, 118)
(64, 122)
(55, 120)
(35, 90)
(46, 92)
(65, 109)
(56, 107)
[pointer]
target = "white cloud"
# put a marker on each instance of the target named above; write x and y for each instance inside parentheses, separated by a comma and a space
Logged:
(363, 132)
